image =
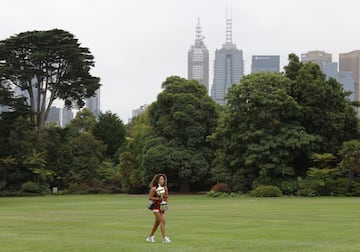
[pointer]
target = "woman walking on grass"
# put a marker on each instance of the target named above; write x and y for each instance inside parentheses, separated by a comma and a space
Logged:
(159, 196)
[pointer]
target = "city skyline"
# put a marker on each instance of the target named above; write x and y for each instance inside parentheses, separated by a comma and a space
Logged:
(138, 43)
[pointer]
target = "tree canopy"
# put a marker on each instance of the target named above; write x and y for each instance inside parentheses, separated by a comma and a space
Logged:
(259, 136)
(325, 111)
(111, 130)
(48, 65)
(183, 116)
(274, 122)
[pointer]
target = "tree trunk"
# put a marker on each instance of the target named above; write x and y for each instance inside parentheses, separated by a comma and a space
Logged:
(184, 185)
(351, 176)
(40, 120)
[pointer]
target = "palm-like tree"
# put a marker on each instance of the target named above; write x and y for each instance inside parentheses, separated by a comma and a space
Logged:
(37, 164)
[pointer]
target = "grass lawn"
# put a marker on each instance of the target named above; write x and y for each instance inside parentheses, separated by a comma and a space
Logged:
(194, 223)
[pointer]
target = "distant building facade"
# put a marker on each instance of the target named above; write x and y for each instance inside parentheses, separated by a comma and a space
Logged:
(67, 116)
(228, 67)
(350, 62)
(93, 103)
(54, 115)
(198, 60)
(348, 82)
(323, 60)
(318, 57)
(265, 63)
(138, 111)
(345, 75)
(330, 69)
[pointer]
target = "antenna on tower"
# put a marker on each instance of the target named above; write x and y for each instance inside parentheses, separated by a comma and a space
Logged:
(199, 36)
(228, 26)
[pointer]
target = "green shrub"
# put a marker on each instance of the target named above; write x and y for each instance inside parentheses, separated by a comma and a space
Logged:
(31, 187)
(289, 187)
(325, 187)
(266, 191)
(337, 187)
(309, 187)
(78, 188)
(222, 194)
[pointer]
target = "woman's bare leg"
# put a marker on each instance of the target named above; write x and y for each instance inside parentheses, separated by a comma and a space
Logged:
(161, 221)
(156, 225)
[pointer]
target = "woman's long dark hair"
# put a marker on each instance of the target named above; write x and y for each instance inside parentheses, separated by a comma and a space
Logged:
(155, 180)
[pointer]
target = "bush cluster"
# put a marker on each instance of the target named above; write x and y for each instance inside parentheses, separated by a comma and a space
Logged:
(31, 187)
(213, 194)
(266, 191)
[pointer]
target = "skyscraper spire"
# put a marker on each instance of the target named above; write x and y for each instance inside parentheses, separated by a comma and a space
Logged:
(199, 37)
(228, 65)
(228, 31)
(198, 59)
(228, 42)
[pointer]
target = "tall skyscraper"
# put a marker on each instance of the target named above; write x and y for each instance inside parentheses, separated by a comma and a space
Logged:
(265, 63)
(351, 62)
(93, 103)
(228, 67)
(198, 60)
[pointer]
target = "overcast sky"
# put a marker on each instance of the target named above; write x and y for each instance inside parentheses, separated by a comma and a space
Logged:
(138, 43)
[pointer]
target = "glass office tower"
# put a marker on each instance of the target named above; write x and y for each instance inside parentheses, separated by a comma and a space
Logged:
(228, 67)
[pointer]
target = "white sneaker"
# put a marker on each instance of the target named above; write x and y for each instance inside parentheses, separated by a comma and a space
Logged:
(166, 240)
(150, 239)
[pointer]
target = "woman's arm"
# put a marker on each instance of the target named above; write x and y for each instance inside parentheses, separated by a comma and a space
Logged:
(153, 194)
(166, 194)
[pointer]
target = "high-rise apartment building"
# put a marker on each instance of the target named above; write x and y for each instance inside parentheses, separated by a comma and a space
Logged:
(228, 67)
(198, 60)
(93, 103)
(350, 62)
(265, 63)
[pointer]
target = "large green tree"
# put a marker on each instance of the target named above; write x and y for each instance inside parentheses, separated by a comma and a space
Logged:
(110, 129)
(259, 136)
(132, 168)
(325, 109)
(80, 157)
(183, 116)
(11, 107)
(84, 121)
(48, 65)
